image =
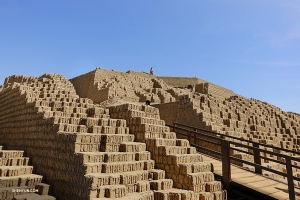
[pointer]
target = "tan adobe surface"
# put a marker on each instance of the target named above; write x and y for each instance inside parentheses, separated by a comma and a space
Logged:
(92, 137)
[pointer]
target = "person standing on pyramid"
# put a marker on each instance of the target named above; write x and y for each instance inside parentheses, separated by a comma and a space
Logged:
(151, 70)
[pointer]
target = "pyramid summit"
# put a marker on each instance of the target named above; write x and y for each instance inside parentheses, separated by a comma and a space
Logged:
(92, 137)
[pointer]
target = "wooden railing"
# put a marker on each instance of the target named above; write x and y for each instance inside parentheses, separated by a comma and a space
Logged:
(227, 144)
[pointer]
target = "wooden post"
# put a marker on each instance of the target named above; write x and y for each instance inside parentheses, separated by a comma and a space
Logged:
(195, 137)
(226, 172)
(257, 159)
(289, 174)
(189, 137)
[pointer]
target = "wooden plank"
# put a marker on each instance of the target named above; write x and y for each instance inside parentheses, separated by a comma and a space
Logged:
(250, 179)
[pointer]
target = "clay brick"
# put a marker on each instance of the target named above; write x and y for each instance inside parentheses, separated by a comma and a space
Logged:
(143, 186)
(201, 177)
(132, 147)
(156, 174)
(213, 186)
(42, 188)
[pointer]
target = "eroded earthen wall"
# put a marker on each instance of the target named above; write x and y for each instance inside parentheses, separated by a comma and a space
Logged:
(180, 81)
(82, 83)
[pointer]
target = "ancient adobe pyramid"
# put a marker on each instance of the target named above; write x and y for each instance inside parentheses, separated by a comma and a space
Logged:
(201, 104)
(83, 153)
(92, 138)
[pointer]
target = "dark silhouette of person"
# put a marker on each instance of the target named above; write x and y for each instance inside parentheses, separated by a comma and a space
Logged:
(148, 102)
(151, 70)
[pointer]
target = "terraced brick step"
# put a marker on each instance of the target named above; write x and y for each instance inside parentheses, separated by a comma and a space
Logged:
(180, 159)
(119, 138)
(15, 193)
(88, 147)
(132, 147)
(160, 142)
(142, 136)
(127, 166)
(214, 186)
(96, 129)
(90, 138)
(95, 146)
(15, 170)
(99, 115)
(161, 184)
(111, 191)
(187, 168)
(149, 127)
(176, 194)
(7, 192)
(125, 178)
(182, 142)
(11, 154)
(219, 195)
(108, 157)
(171, 150)
(156, 174)
(139, 156)
(198, 178)
(64, 120)
(142, 186)
(133, 113)
(118, 191)
(148, 195)
(114, 130)
(110, 147)
(77, 115)
(29, 180)
(146, 120)
(14, 161)
(33, 196)
(89, 121)
(97, 111)
(98, 166)
(108, 130)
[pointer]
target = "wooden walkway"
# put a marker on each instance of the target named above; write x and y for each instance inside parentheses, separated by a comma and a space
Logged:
(251, 185)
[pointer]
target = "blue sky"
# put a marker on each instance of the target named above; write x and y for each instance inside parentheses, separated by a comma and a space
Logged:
(251, 47)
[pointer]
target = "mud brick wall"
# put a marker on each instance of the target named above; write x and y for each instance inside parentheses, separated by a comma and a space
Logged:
(18, 79)
(209, 88)
(82, 83)
(180, 81)
(168, 111)
(98, 95)
(25, 125)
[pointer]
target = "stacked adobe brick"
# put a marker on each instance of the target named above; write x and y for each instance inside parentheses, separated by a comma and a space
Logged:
(82, 153)
(180, 161)
(49, 121)
(217, 91)
(206, 105)
(16, 178)
(240, 117)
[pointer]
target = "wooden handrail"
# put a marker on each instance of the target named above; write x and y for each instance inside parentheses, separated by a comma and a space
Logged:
(237, 138)
(226, 158)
